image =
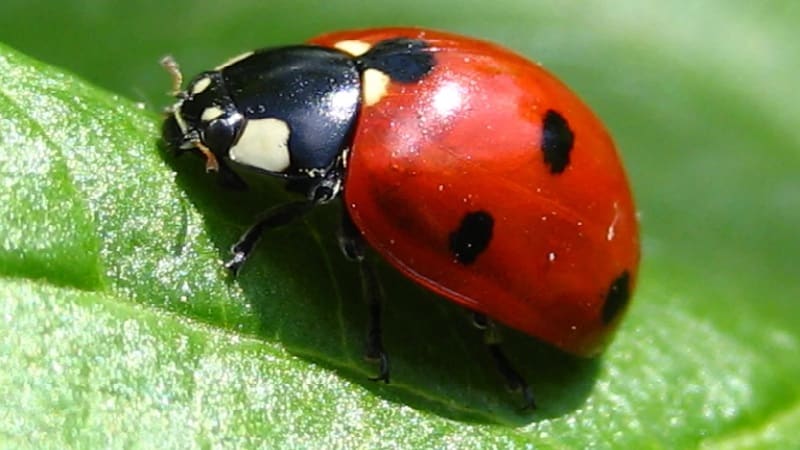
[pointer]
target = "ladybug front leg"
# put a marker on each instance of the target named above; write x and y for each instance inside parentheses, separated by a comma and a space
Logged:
(275, 217)
(320, 192)
(354, 248)
(503, 365)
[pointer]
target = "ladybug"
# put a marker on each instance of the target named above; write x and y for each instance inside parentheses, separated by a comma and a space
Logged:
(470, 169)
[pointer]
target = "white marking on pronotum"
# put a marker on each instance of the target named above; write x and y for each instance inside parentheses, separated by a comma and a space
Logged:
(211, 113)
(375, 83)
(353, 47)
(233, 60)
(201, 85)
(264, 144)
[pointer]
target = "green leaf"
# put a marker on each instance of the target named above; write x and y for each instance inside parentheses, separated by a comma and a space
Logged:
(119, 327)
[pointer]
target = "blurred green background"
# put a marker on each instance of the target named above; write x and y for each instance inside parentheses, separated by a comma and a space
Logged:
(123, 331)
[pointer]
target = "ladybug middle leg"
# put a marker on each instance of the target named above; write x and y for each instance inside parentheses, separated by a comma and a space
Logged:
(513, 379)
(354, 248)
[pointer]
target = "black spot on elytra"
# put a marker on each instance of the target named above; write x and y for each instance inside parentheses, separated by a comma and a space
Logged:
(403, 60)
(472, 236)
(557, 140)
(617, 297)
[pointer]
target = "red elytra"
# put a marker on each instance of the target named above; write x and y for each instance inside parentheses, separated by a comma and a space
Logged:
(491, 183)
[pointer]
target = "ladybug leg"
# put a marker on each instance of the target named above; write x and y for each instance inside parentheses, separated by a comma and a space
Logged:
(275, 217)
(374, 294)
(229, 180)
(513, 379)
(325, 190)
(354, 248)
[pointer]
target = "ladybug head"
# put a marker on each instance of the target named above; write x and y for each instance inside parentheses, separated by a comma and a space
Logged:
(287, 111)
(205, 119)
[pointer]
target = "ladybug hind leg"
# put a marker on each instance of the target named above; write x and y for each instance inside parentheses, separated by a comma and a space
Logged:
(513, 379)
(354, 248)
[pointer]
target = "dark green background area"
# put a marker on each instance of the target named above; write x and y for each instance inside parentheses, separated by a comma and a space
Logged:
(118, 327)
